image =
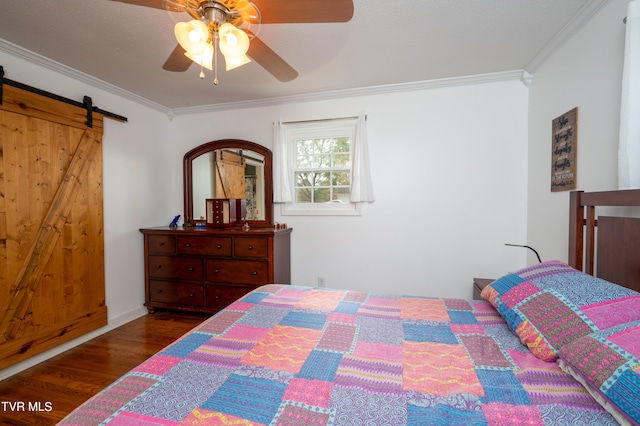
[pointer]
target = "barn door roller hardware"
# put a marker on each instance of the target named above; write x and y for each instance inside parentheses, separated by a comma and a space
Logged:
(87, 103)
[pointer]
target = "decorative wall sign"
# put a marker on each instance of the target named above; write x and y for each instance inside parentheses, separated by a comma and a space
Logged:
(564, 149)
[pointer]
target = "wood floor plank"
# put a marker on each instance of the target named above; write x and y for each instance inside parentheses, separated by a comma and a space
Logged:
(45, 393)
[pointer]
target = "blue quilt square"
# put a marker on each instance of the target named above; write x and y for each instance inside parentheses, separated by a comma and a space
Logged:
(255, 297)
(321, 365)
(506, 283)
(184, 347)
(625, 392)
(429, 333)
(462, 317)
(304, 320)
(502, 386)
(443, 415)
(249, 398)
(347, 307)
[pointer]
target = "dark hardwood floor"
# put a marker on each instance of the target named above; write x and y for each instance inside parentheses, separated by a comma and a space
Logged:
(45, 393)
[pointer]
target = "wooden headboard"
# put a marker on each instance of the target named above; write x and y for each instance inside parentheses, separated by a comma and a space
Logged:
(605, 246)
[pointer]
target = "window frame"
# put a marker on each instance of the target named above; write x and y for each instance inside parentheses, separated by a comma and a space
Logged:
(318, 130)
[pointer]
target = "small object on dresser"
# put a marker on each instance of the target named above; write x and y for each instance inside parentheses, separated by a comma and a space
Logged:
(174, 222)
(221, 212)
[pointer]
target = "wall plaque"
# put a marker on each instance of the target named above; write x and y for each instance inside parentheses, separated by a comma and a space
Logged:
(564, 148)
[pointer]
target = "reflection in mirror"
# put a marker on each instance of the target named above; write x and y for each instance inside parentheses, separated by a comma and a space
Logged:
(229, 173)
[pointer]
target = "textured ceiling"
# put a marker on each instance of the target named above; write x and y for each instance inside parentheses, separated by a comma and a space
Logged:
(385, 43)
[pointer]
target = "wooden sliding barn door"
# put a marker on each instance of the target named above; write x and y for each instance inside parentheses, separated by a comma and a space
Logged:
(52, 285)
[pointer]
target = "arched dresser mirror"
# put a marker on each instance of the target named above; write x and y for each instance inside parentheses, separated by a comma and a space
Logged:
(229, 168)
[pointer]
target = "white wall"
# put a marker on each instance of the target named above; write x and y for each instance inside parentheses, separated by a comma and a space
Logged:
(449, 170)
(585, 72)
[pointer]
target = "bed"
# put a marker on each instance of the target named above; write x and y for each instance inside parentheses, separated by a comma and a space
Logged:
(538, 350)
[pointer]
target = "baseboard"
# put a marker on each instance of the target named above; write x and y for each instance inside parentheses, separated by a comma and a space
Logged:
(114, 323)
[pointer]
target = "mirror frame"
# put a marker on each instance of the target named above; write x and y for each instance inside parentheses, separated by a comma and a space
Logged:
(230, 143)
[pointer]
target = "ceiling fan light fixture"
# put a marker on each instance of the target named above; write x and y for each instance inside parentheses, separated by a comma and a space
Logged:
(193, 36)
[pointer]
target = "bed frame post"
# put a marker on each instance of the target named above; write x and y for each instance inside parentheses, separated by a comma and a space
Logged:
(576, 230)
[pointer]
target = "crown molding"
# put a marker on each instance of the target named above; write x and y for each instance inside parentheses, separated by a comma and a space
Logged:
(349, 93)
(584, 15)
(67, 71)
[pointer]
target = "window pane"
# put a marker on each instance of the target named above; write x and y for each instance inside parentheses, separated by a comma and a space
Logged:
(322, 179)
(341, 194)
(303, 196)
(304, 179)
(304, 146)
(341, 160)
(340, 179)
(321, 195)
(304, 162)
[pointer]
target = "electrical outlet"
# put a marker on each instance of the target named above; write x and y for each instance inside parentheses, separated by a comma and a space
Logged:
(322, 281)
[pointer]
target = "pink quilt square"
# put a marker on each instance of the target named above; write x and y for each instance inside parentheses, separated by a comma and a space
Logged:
(311, 392)
(158, 365)
(500, 414)
(379, 351)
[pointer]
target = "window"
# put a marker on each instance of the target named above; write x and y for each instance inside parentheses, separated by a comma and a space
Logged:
(320, 162)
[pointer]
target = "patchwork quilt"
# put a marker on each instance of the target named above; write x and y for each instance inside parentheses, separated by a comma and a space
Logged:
(287, 355)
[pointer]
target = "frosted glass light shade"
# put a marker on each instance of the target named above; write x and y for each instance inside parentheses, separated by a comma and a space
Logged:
(234, 43)
(205, 59)
(232, 63)
(193, 36)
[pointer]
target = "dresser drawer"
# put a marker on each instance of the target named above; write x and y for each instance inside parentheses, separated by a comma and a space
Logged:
(237, 271)
(176, 293)
(184, 268)
(210, 246)
(251, 246)
(221, 296)
(161, 244)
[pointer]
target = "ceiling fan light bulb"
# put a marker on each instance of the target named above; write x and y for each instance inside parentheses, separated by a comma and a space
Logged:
(192, 36)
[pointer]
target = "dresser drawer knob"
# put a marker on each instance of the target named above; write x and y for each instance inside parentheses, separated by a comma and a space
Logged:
(254, 273)
(159, 291)
(216, 271)
(217, 296)
(191, 269)
(191, 294)
(161, 244)
(219, 246)
(250, 247)
(158, 266)
(187, 245)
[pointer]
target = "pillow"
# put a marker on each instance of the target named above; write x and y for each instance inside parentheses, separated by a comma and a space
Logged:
(608, 363)
(551, 304)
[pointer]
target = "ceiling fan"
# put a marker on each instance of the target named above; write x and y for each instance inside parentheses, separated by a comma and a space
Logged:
(235, 24)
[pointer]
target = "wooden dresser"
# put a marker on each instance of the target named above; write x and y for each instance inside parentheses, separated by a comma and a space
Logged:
(205, 269)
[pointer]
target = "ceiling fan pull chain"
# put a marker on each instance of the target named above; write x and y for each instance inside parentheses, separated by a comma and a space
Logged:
(215, 58)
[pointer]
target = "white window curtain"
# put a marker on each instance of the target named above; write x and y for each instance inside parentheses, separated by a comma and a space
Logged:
(281, 177)
(361, 183)
(629, 144)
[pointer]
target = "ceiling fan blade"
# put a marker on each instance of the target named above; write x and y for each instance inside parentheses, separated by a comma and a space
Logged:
(170, 5)
(304, 11)
(177, 61)
(271, 61)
